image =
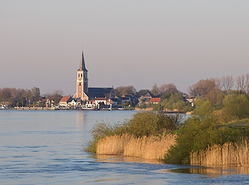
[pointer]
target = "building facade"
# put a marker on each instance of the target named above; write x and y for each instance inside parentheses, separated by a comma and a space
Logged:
(86, 93)
(82, 79)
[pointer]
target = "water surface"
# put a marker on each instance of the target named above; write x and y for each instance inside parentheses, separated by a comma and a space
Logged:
(45, 147)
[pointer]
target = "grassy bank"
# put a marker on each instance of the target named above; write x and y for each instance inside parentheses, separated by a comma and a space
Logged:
(153, 135)
(141, 125)
(198, 134)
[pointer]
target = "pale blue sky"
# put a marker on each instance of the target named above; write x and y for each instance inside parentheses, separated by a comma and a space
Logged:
(127, 42)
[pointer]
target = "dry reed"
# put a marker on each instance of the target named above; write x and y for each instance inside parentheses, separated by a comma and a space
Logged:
(151, 147)
(228, 154)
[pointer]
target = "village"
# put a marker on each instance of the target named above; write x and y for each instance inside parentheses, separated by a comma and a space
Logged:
(91, 98)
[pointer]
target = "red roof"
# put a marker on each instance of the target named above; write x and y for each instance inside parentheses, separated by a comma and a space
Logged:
(155, 100)
(100, 98)
(65, 98)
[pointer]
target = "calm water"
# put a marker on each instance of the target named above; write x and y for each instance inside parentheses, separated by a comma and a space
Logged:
(45, 147)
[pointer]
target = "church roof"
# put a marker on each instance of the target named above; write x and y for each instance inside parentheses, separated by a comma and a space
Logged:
(82, 63)
(98, 92)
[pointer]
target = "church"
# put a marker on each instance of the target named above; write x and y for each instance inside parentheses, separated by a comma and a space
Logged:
(86, 93)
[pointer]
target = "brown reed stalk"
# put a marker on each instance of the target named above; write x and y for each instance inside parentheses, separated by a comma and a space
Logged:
(229, 154)
(152, 147)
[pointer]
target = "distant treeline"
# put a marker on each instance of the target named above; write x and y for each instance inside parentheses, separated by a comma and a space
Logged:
(26, 97)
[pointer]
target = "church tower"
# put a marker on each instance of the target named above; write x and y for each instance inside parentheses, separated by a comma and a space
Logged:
(82, 79)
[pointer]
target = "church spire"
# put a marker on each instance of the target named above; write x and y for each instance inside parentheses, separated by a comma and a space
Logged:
(82, 63)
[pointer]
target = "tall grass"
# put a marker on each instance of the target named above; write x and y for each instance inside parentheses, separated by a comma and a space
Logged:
(141, 124)
(229, 154)
(151, 147)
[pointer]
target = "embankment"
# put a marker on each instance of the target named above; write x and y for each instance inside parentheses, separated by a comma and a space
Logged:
(32, 108)
(152, 147)
(228, 154)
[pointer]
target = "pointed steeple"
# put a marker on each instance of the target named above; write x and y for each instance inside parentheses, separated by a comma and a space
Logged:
(82, 63)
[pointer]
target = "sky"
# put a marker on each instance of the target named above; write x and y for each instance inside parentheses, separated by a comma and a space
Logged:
(125, 42)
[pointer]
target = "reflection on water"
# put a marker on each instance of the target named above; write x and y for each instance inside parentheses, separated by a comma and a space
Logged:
(116, 158)
(211, 172)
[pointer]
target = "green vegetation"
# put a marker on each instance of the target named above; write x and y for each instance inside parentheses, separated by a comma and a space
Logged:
(172, 101)
(141, 124)
(175, 101)
(236, 107)
(204, 128)
(199, 132)
(236, 122)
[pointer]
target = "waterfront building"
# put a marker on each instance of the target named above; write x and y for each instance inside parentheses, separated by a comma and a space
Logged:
(86, 93)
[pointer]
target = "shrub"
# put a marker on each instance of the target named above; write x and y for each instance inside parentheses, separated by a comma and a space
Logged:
(199, 132)
(196, 134)
(204, 107)
(141, 124)
(175, 101)
(235, 107)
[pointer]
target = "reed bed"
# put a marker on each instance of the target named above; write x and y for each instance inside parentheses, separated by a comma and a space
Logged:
(229, 154)
(152, 147)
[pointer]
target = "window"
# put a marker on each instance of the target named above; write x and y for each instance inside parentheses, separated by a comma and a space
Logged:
(79, 84)
(81, 74)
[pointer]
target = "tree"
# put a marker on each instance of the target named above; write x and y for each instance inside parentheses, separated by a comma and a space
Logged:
(235, 107)
(167, 88)
(129, 90)
(175, 101)
(227, 83)
(247, 83)
(12, 102)
(202, 87)
(241, 84)
(55, 96)
(21, 101)
(126, 90)
(154, 89)
(5, 95)
(142, 92)
(204, 108)
(35, 92)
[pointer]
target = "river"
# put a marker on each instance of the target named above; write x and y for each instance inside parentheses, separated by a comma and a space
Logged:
(46, 147)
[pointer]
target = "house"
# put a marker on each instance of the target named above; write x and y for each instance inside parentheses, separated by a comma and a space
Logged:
(145, 98)
(64, 101)
(113, 101)
(123, 99)
(90, 104)
(100, 101)
(155, 100)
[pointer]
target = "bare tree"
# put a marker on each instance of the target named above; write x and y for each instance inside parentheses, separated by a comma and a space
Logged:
(241, 83)
(227, 83)
(166, 88)
(247, 83)
(218, 84)
(126, 90)
(202, 87)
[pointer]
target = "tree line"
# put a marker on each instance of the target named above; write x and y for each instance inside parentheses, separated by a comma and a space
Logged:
(26, 97)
